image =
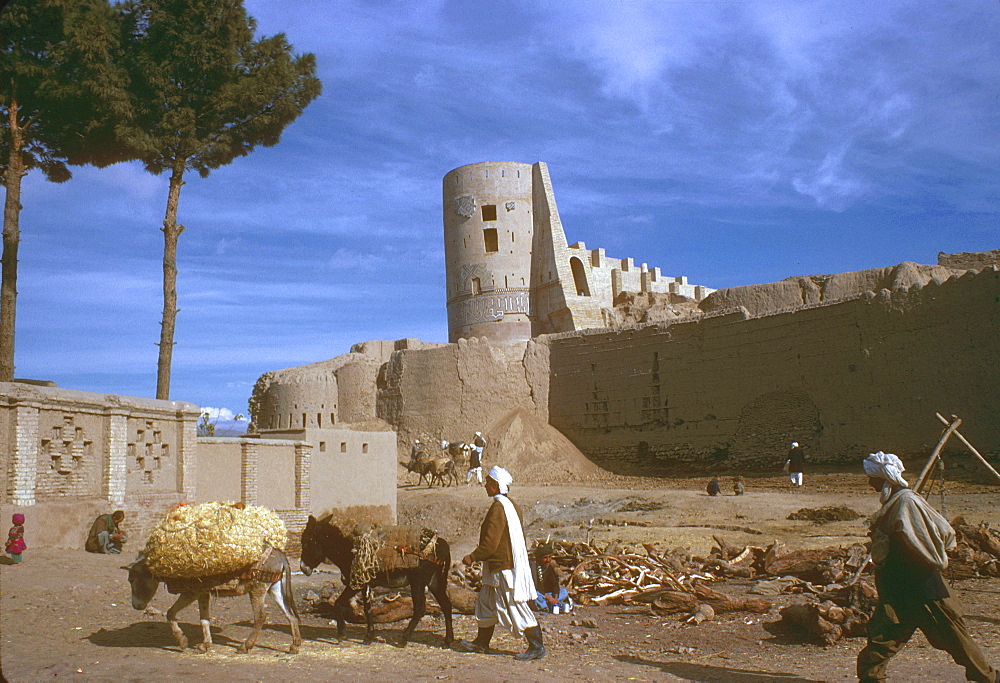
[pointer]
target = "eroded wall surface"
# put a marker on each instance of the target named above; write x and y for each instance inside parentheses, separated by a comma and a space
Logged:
(844, 378)
(452, 391)
(334, 392)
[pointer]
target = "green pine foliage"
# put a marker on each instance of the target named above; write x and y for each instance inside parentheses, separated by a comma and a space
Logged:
(62, 95)
(204, 92)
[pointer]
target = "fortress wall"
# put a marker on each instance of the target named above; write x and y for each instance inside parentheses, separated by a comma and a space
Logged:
(356, 392)
(844, 379)
(607, 277)
(966, 260)
(297, 397)
(451, 392)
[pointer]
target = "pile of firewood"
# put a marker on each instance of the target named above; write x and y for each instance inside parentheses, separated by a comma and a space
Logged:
(977, 553)
(841, 612)
(839, 596)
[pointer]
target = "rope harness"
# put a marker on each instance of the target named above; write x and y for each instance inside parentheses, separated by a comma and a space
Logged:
(374, 555)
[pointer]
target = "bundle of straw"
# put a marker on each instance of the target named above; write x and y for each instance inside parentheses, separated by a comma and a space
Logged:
(210, 539)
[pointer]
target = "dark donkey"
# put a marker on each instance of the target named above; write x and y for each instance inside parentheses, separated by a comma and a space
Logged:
(322, 541)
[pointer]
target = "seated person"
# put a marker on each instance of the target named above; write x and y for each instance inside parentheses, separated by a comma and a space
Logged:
(713, 487)
(738, 488)
(106, 535)
(550, 594)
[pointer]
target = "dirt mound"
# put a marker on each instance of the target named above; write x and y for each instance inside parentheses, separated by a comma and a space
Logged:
(830, 513)
(536, 452)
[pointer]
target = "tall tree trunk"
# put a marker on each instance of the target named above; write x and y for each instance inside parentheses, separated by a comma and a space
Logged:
(171, 232)
(11, 241)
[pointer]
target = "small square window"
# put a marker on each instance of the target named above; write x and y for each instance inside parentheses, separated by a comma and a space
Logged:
(489, 212)
(364, 448)
(343, 446)
(322, 446)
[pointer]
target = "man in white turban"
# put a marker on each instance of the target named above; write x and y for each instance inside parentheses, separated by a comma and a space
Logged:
(476, 459)
(508, 587)
(910, 540)
(796, 463)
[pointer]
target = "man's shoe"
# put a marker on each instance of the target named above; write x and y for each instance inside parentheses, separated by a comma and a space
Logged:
(480, 645)
(535, 648)
(469, 646)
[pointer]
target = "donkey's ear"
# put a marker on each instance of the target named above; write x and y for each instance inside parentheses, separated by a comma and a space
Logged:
(311, 520)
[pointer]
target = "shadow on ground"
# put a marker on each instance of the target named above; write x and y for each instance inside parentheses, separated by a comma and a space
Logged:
(707, 672)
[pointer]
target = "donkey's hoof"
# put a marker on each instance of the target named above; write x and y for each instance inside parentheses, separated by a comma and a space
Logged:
(202, 648)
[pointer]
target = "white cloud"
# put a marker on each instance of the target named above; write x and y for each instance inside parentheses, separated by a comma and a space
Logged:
(831, 184)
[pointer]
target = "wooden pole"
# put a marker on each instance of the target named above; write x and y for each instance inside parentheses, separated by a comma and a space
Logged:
(968, 445)
(952, 429)
(935, 453)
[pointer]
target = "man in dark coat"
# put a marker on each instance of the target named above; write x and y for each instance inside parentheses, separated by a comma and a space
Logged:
(796, 462)
(910, 540)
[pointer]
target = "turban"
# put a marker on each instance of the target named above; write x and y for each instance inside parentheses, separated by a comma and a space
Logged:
(795, 444)
(886, 466)
(18, 518)
(501, 477)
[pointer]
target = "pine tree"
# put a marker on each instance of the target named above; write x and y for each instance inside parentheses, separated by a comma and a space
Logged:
(61, 95)
(205, 92)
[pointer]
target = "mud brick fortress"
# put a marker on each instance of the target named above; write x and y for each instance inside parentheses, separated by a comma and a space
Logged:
(641, 370)
(637, 369)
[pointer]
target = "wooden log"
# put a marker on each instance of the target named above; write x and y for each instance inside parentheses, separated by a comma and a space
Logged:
(808, 618)
(675, 601)
(809, 565)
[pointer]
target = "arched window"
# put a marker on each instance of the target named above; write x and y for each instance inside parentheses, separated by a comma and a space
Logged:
(579, 277)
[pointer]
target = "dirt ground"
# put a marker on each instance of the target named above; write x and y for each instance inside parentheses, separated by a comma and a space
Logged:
(66, 613)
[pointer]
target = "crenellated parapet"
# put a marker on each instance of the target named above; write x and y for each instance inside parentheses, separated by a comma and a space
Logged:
(511, 273)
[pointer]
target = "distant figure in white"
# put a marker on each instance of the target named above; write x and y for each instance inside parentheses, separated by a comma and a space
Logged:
(476, 459)
(795, 463)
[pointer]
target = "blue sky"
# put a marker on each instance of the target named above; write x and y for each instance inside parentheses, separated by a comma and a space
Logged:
(732, 142)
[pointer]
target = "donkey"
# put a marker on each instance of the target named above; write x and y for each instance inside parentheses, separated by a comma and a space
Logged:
(432, 470)
(258, 581)
(323, 540)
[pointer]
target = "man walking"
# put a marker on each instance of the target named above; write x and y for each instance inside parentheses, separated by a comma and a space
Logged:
(909, 543)
(508, 587)
(796, 463)
(476, 459)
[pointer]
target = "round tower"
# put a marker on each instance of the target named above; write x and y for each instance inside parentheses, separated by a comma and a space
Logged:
(488, 234)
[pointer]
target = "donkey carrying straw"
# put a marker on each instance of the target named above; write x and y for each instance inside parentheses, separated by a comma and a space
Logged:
(271, 575)
(322, 540)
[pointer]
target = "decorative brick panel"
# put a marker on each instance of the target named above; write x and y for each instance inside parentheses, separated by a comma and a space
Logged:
(24, 467)
(250, 456)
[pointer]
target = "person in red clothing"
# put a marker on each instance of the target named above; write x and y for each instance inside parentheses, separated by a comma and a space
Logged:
(15, 538)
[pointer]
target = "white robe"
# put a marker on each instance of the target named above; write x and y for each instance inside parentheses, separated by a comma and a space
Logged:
(506, 594)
